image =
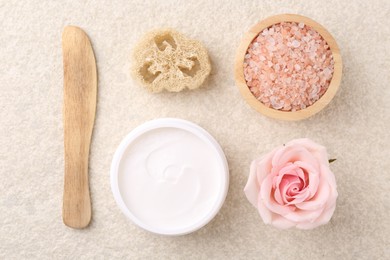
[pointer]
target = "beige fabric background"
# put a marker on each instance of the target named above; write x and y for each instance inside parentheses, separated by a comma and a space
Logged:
(354, 128)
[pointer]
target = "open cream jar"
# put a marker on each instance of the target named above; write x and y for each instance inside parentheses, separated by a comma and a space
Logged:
(169, 176)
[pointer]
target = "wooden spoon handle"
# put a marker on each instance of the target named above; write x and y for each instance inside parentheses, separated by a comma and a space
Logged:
(80, 89)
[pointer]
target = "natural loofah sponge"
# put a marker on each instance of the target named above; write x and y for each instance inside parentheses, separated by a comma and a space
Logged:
(166, 59)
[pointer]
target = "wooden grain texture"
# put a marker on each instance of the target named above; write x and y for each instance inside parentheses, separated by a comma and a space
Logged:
(287, 115)
(80, 90)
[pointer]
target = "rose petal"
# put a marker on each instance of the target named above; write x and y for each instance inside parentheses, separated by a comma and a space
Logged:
(272, 218)
(279, 152)
(293, 153)
(328, 175)
(252, 187)
(281, 192)
(264, 165)
(317, 150)
(289, 168)
(278, 195)
(278, 209)
(313, 176)
(264, 212)
(321, 220)
(308, 143)
(326, 214)
(286, 187)
(318, 201)
(300, 216)
(282, 223)
(329, 207)
(268, 199)
(299, 198)
(301, 174)
(288, 178)
(317, 204)
(265, 189)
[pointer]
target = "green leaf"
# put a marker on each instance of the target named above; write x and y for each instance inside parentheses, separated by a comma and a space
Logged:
(331, 160)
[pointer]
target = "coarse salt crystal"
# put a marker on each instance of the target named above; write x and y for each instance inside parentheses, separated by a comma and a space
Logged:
(295, 44)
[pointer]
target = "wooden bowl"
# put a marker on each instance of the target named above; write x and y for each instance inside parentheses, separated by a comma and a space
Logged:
(287, 115)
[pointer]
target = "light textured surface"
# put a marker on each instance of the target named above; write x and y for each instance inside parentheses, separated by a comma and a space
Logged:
(354, 128)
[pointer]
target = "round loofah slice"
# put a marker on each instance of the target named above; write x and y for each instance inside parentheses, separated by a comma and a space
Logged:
(166, 59)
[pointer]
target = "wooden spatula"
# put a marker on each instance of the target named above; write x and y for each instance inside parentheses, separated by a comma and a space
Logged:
(80, 88)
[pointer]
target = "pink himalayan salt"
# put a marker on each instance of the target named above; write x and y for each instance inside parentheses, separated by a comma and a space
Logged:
(288, 66)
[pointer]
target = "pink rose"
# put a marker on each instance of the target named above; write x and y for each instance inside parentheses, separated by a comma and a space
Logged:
(292, 186)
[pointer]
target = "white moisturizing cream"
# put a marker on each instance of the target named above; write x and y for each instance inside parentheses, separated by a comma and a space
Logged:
(169, 176)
